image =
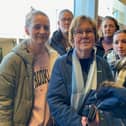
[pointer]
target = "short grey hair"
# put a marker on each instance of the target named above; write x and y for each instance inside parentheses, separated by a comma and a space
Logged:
(64, 11)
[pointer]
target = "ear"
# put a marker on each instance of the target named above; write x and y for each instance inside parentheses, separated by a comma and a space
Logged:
(58, 23)
(27, 30)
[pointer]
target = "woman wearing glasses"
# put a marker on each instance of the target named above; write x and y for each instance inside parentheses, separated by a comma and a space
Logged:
(75, 75)
(59, 39)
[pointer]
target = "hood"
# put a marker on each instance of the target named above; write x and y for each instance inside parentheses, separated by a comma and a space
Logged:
(21, 50)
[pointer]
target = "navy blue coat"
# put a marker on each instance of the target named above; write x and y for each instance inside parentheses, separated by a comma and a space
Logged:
(59, 92)
(112, 100)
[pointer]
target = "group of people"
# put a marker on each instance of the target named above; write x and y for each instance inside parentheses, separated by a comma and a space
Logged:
(54, 81)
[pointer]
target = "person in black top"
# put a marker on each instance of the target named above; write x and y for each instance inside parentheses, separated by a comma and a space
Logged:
(59, 39)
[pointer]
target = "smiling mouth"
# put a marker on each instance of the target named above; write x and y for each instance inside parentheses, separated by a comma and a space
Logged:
(85, 41)
(42, 37)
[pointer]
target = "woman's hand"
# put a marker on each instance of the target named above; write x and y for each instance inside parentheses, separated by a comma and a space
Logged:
(84, 121)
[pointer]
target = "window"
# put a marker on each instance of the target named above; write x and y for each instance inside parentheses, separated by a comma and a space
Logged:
(13, 14)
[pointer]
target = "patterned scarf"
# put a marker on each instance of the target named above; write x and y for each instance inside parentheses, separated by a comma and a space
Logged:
(121, 69)
(79, 91)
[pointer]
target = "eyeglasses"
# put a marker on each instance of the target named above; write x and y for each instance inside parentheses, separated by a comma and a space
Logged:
(66, 19)
(86, 31)
(38, 26)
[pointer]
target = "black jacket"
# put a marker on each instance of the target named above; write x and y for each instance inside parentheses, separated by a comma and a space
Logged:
(56, 42)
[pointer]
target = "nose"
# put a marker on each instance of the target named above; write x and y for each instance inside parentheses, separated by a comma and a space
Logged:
(84, 33)
(42, 29)
(120, 44)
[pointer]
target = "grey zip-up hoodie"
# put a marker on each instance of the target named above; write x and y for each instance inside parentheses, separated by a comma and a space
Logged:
(16, 86)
